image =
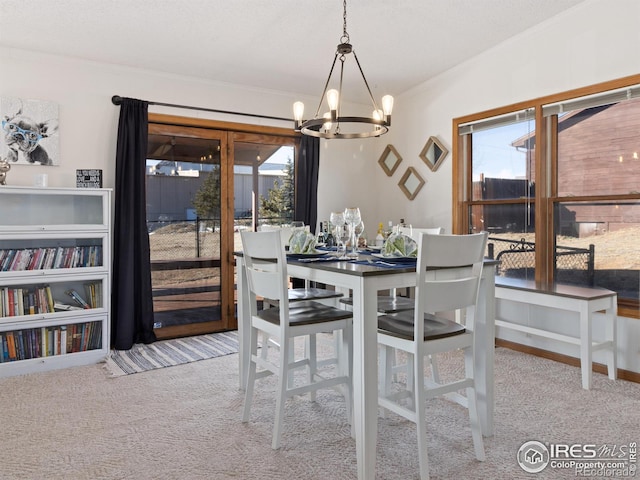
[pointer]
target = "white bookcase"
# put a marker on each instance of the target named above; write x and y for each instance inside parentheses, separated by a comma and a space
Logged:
(54, 242)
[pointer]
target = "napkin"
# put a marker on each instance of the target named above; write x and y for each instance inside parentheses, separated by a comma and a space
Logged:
(399, 245)
(302, 242)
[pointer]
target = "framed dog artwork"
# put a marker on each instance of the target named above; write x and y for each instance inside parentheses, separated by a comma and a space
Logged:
(29, 133)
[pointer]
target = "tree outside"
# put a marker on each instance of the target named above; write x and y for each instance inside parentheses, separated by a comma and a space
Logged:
(277, 207)
(207, 199)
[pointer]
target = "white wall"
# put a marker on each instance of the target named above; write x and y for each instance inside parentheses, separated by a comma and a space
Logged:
(88, 119)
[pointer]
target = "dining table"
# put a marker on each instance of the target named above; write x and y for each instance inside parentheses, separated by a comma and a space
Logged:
(364, 278)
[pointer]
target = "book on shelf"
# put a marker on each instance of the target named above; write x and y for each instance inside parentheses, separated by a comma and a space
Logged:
(31, 302)
(93, 290)
(44, 258)
(19, 302)
(43, 342)
(76, 296)
(25, 301)
(12, 346)
(64, 307)
(10, 299)
(63, 340)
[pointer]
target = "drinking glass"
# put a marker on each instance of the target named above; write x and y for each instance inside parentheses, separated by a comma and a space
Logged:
(343, 233)
(352, 218)
(337, 220)
(359, 230)
(297, 225)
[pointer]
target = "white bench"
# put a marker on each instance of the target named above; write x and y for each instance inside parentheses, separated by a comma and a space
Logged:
(582, 300)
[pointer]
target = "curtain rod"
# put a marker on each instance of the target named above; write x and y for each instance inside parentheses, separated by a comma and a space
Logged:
(117, 100)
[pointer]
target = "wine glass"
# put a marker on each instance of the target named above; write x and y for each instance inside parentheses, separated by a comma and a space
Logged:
(343, 233)
(297, 225)
(337, 220)
(353, 218)
(359, 230)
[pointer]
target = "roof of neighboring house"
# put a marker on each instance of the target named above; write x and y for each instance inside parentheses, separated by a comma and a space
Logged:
(565, 120)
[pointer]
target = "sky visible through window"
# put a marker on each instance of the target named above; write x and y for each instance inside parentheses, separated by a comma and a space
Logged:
(493, 154)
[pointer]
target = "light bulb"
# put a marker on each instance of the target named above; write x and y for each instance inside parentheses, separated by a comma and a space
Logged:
(327, 125)
(387, 105)
(332, 99)
(298, 111)
(377, 115)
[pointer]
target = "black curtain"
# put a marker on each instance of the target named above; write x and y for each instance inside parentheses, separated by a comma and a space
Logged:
(131, 298)
(307, 182)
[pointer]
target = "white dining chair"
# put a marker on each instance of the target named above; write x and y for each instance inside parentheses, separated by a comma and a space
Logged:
(307, 292)
(448, 279)
(394, 303)
(266, 272)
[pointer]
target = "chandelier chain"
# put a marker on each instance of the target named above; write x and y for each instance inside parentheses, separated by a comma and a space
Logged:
(345, 35)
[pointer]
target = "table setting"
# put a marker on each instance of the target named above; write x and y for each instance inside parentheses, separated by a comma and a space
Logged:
(397, 250)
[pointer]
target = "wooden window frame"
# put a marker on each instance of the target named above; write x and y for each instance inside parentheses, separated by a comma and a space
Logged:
(546, 175)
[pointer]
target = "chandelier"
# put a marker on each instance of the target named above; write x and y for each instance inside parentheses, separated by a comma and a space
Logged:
(334, 124)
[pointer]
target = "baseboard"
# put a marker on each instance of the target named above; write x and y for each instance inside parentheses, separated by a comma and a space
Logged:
(559, 357)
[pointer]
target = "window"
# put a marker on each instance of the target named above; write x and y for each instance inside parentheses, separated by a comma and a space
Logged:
(502, 188)
(556, 183)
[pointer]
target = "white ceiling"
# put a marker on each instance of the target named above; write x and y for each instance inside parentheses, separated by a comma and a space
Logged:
(284, 45)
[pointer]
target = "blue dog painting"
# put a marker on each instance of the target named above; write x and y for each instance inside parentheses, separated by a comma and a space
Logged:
(29, 131)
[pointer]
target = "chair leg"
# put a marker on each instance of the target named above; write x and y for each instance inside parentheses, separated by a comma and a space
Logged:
(264, 349)
(435, 373)
(312, 356)
(474, 418)
(385, 373)
(345, 359)
(251, 377)
(292, 358)
(421, 421)
(281, 397)
(411, 376)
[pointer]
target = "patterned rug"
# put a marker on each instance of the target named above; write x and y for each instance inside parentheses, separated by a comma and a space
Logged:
(167, 353)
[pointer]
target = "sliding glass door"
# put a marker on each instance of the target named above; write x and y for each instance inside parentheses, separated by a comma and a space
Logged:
(204, 186)
(184, 205)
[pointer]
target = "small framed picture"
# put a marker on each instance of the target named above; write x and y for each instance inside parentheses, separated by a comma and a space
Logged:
(433, 153)
(90, 178)
(411, 183)
(389, 160)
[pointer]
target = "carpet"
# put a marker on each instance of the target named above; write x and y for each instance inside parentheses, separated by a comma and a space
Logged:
(183, 423)
(168, 353)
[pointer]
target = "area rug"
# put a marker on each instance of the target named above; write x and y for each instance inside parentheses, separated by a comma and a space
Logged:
(167, 353)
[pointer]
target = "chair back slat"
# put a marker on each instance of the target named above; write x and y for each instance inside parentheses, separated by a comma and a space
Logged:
(448, 274)
(446, 295)
(265, 265)
(415, 232)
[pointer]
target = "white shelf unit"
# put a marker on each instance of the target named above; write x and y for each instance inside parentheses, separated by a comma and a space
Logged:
(53, 241)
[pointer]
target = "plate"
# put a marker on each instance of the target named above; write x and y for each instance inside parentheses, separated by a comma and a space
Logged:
(306, 255)
(373, 248)
(394, 258)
